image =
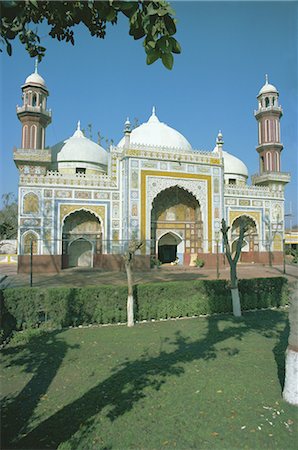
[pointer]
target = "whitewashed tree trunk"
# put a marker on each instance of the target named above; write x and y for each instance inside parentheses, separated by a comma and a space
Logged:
(130, 311)
(236, 302)
(130, 302)
(290, 392)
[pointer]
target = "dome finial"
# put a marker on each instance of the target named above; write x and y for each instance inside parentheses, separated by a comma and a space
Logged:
(219, 140)
(127, 125)
(266, 78)
(79, 126)
(36, 65)
(153, 111)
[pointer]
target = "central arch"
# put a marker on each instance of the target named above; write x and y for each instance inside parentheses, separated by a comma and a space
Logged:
(176, 225)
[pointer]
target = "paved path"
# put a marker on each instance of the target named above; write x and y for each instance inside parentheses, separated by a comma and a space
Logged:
(90, 277)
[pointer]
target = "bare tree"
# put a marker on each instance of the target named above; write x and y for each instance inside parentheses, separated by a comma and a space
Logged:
(128, 257)
(243, 226)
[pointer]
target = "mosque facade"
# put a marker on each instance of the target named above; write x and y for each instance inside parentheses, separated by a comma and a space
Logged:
(80, 205)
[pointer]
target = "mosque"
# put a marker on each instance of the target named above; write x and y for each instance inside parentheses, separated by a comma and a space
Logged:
(79, 204)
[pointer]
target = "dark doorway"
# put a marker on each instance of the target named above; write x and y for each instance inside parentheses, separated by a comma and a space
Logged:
(167, 253)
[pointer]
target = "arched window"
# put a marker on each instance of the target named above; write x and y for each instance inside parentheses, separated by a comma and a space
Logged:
(30, 203)
(33, 133)
(267, 131)
(34, 99)
(262, 168)
(25, 143)
(268, 161)
(273, 101)
(277, 167)
(30, 238)
(266, 102)
(260, 136)
(276, 131)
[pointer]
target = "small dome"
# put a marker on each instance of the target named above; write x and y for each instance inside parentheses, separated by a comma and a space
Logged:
(78, 148)
(268, 88)
(232, 165)
(158, 134)
(35, 78)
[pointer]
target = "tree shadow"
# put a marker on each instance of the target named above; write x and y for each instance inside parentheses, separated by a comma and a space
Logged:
(126, 386)
(42, 357)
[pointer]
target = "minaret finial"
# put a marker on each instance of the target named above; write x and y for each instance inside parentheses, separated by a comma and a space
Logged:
(153, 111)
(36, 65)
(266, 78)
(79, 126)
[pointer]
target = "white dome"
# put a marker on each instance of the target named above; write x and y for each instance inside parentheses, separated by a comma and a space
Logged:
(158, 134)
(78, 148)
(232, 165)
(268, 88)
(35, 78)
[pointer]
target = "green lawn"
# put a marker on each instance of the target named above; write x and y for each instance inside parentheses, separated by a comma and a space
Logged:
(201, 383)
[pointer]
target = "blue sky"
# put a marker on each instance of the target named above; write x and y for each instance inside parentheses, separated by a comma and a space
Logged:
(227, 48)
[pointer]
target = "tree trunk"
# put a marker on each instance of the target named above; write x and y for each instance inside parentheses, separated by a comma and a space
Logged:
(236, 302)
(130, 301)
(235, 292)
(290, 392)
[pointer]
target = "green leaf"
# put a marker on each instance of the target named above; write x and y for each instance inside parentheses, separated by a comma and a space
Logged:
(152, 57)
(175, 46)
(8, 48)
(170, 25)
(167, 60)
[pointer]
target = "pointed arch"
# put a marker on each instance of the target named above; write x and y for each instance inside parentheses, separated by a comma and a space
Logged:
(28, 237)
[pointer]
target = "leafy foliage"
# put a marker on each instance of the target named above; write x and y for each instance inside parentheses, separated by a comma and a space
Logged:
(24, 308)
(152, 20)
(9, 217)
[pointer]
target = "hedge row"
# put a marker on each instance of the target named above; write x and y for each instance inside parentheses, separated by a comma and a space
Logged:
(61, 307)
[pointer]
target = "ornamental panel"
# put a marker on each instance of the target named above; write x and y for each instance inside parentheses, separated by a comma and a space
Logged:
(65, 210)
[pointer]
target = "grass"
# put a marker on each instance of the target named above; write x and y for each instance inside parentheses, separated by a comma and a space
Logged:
(204, 383)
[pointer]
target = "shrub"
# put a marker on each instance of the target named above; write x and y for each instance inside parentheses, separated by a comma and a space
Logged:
(199, 262)
(27, 308)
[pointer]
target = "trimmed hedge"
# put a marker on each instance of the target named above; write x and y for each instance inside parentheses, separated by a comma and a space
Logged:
(61, 307)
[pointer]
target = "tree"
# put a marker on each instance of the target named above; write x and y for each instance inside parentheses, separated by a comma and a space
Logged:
(9, 217)
(152, 20)
(290, 392)
(243, 226)
(133, 247)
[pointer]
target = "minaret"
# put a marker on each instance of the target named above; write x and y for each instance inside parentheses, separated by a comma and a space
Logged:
(269, 143)
(33, 113)
(35, 117)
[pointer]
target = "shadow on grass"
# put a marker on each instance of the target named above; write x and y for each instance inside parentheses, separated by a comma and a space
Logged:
(123, 388)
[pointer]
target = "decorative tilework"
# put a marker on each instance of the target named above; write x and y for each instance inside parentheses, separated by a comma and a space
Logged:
(102, 195)
(243, 202)
(63, 194)
(83, 194)
(134, 194)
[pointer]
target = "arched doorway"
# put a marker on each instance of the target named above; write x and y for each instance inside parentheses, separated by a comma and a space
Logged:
(81, 238)
(251, 240)
(80, 253)
(167, 247)
(176, 225)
